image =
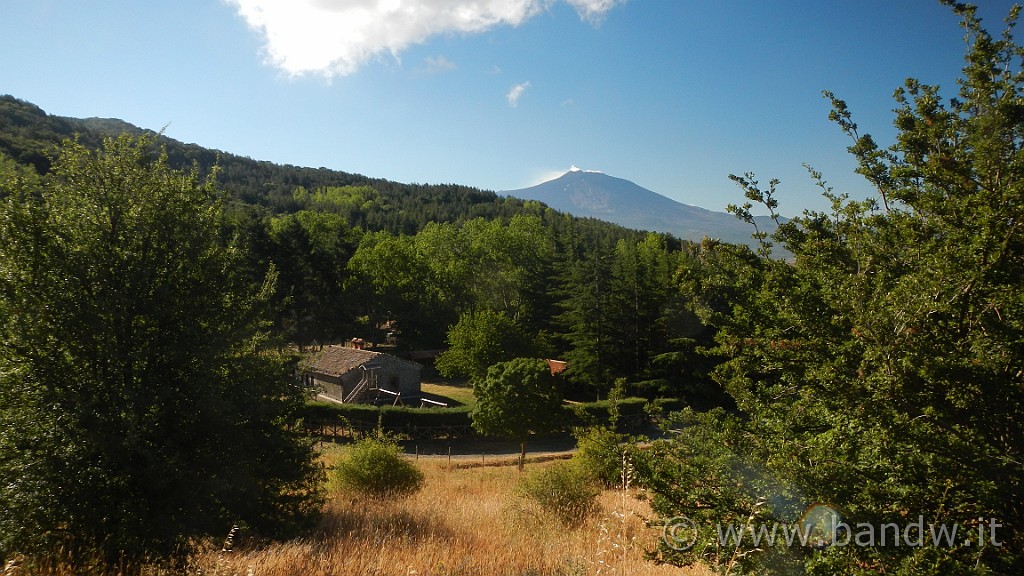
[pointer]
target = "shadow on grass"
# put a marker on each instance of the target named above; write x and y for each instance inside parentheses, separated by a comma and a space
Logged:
(371, 520)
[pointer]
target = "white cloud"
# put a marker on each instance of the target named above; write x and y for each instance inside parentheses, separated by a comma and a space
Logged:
(336, 37)
(437, 64)
(515, 93)
(593, 11)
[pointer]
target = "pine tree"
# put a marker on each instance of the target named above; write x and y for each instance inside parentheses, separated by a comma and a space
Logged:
(881, 371)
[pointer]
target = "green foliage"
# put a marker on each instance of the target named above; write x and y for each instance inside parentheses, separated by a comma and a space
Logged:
(310, 252)
(480, 340)
(563, 490)
(338, 200)
(375, 467)
(393, 418)
(405, 288)
(399, 419)
(507, 264)
(881, 371)
(624, 318)
(517, 398)
(28, 135)
(448, 271)
(585, 321)
(630, 411)
(139, 407)
(599, 453)
(707, 474)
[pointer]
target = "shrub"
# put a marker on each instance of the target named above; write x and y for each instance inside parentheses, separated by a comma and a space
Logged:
(599, 453)
(375, 467)
(563, 490)
(631, 410)
(390, 417)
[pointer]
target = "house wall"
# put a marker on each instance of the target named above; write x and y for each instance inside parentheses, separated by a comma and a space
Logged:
(399, 376)
(335, 387)
(393, 374)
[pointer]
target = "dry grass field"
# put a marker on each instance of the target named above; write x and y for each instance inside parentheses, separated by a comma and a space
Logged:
(465, 521)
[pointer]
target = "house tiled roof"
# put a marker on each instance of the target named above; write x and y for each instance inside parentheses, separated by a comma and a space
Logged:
(557, 366)
(338, 360)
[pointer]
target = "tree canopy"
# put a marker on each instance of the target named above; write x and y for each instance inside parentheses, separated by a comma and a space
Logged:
(139, 406)
(880, 372)
(517, 398)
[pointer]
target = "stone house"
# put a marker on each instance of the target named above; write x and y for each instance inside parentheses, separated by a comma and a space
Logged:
(350, 374)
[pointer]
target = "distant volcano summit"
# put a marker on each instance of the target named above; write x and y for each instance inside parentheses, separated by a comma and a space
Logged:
(589, 193)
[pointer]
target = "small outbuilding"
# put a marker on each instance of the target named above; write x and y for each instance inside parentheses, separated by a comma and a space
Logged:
(350, 374)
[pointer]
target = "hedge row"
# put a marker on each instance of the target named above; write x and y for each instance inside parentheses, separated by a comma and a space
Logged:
(631, 413)
(389, 417)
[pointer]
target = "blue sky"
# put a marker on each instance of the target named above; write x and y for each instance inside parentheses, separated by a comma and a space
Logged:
(497, 94)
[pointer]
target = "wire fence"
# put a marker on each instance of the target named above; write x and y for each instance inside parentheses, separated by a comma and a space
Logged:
(335, 430)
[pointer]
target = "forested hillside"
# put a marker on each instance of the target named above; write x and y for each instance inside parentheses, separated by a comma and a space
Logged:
(440, 265)
(28, 135)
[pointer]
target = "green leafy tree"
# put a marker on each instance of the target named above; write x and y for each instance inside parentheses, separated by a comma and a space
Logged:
(480, 340)
(516, 399)
(447, 272)
(880, 372)
(405, 289)
(139, 405)
(508, 264)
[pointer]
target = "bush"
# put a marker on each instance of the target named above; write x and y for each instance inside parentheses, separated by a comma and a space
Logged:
(375, 467)
(631, 410)
(599, 454)
(563, 490)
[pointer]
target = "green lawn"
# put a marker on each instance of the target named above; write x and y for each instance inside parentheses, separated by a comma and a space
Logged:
(453, 392)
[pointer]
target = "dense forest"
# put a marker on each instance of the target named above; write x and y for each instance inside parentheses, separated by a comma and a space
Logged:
(361, 257)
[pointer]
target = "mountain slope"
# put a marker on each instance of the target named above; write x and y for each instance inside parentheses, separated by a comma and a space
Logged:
(29, 135)
(614, 207)
(587, 193)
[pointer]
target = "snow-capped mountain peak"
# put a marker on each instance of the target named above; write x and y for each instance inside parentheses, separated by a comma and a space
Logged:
(594, 194)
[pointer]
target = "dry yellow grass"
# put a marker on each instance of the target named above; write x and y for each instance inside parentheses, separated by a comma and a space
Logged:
(465, 521)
